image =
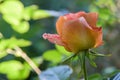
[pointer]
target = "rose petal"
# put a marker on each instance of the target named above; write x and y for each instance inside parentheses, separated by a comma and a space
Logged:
(77, 35)
(53, 38)
(83, 21)
(70, 16)
(80, 14)
(96, 32)
(63, 19)
(59, 24)
(91, 19)
(98, 36)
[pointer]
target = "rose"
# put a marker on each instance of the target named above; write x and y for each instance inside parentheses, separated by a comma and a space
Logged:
(77, 32)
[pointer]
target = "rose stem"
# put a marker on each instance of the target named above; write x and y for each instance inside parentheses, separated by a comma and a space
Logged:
(84, 65)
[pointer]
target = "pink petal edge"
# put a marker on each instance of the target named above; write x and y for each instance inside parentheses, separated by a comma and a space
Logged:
(53, 38)
(84, 22)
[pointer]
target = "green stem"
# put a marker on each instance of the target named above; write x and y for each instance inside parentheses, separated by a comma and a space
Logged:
(68, 58)
(84, 66)
(81, 64)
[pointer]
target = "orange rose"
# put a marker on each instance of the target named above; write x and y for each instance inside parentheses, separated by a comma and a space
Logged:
(77, 32)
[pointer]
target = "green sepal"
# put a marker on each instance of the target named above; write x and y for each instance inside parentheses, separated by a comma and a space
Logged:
(90, 58)
(97, 54)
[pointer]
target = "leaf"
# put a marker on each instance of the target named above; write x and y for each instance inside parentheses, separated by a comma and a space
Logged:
(69, 57)
(56, 73)
(106, 11)
(15, 70)
(62, 50)
(35, 13)
(3, 54)
(28, 11)
(95, 77)
(11, 19)
(22, 27)
(53, 56)
(39, 14)
(13, 42)
(12, 11)
(37, 60)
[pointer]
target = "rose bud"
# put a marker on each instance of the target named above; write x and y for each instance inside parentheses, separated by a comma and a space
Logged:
(77, 32)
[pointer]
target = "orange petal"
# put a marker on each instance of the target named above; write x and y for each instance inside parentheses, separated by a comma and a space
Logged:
(59, 24)
(66, 18)
(91, 19)
(98, 35)
(77, 34)
(84, 22)
(96, 32)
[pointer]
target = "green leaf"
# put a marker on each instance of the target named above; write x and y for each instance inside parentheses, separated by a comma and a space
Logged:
(56, 73)
(62, 50)
(12, 8)
(35, 13)
(103, 3)
(39, 14)
(28, 12)
(12, 11)
(53, 56)
(95, 77)
(11, 19)
(69, 58)
(13, 42)
(15, 70)
(37, 60)
(106, 11)
(3, 54)
(22, 27)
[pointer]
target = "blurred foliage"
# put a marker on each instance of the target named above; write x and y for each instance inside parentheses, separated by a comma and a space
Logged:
(59, 54)
(10, 43)
(18, 70)
(55, 59)
(22, 23)
(106, 10)
(95, 77)
(17, 16)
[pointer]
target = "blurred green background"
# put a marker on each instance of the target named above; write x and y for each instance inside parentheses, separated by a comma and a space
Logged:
(22, 23)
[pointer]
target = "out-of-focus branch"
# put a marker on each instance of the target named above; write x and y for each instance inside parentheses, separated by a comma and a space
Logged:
(22, 54)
